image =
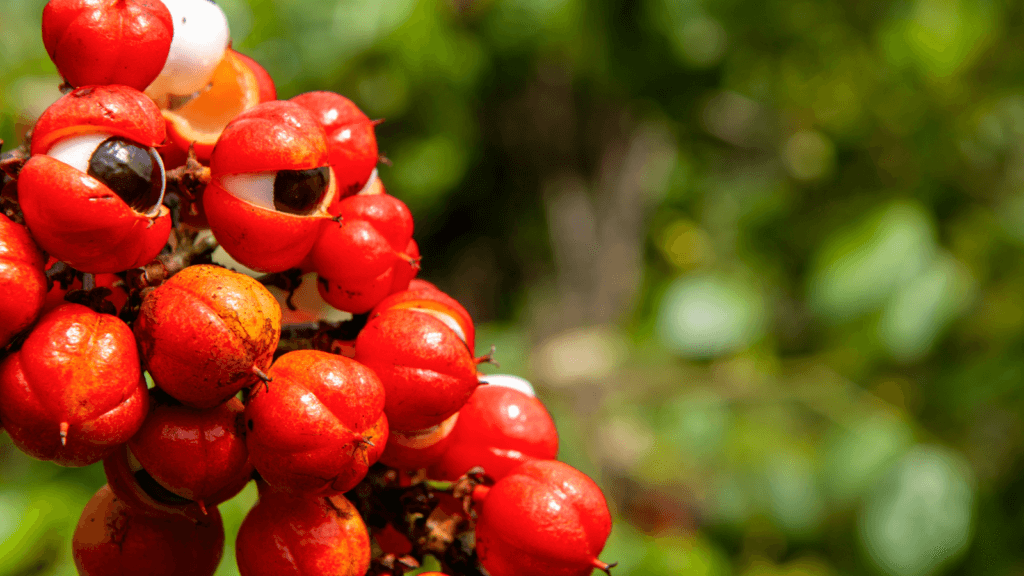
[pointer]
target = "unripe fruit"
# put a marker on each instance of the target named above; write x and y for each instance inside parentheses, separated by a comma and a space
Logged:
(22, 280)
(285, 535)
(207, 333)
(544, 518)
(197, 454)
(350, 135)
(74, 391)
(319, 426)
(427, 370)
(93, 189)
(498, 429)
(113, 539)
(271, 186)
(103, 42)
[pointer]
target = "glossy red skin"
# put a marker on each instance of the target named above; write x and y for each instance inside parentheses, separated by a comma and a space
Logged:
(113, 539)
(306, 434)
(123, 482)
(426, 296)
(415, 450)
(108, 41)
(73, 216)
(351, 138)
(499, 428)
(427, 371)
(197, 454)
(22, 280)
(119, 110)
(356, 296)
(202, 332)
(545, 518)
(273, 136)
(285, 535)
(387, 214)
(78, 367)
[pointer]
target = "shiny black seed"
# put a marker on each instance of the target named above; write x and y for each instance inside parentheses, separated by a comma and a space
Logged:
(300, 191)
(130, 170)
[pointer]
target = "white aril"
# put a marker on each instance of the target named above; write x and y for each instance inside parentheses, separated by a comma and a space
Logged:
(201, 37)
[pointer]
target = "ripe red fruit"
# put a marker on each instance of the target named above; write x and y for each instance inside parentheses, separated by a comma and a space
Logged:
(113, 538)
(92, 191)
(498, 429)
(207, 333)
(544, 518)
(286, 535)
(271, 186)
(106, 42)
(427, 370)
(22, 280)
(319, 426)
(351, 138)
(356, 258)
(137, 488)
(75, 390)
(197, 454)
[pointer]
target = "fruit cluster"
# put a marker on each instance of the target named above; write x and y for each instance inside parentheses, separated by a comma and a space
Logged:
(372, 441)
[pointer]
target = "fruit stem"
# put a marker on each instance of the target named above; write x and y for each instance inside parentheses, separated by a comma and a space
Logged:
(603, 567)
(488, 358)
(263, 377)
(64, 426)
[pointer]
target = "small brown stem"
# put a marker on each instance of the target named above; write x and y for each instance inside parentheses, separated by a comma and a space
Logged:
(64, 426)
(488, 358)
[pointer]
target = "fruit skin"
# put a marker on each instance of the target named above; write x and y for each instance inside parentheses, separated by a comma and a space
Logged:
(498, 429)
(113, 538)
(427, 371)
(427, 298)
(75, 217)
(320, 425)
(273, 136)
(196, 454)
(202, 333)
(22, 279)
(103, 42)
(545, 518)
(80, 370)
(126, 479)
(285, 535)
(419, 449)
(351, 138)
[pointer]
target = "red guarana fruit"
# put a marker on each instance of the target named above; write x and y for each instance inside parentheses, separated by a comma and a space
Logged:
(137, 488)
(271, 184)
(406, 271)
(74, 391)
(498, 429)
(319, 425)
(286, 535)
(427, 370)
(92, 191)
(356, 258)
(22, 280)
(350, 138)
(207, 333)
(545, 518)
(103, 42)
(197, 454)
(113, 539)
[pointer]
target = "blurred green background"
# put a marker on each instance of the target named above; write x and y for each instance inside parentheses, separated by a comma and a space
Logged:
(764, 260)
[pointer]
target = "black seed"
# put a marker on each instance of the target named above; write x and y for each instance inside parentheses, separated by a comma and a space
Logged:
(130, 170)
(300, 191)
